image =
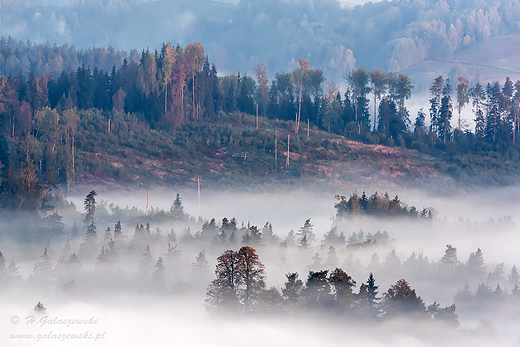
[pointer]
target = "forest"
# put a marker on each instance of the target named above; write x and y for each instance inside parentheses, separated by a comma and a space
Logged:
(54, 127)
(321, 197)
(236, 269)
(335, 37)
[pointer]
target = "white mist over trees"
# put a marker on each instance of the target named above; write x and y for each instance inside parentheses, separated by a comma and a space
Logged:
(352, 271)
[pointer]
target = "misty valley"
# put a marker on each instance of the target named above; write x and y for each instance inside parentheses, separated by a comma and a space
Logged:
(375, 266)
(259, 173)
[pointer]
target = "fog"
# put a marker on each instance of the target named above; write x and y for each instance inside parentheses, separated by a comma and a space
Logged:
(134, 303)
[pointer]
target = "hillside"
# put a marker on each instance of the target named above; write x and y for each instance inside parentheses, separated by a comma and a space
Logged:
(231, 152)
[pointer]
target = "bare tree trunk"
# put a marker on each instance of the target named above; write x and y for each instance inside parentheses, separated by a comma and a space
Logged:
(275, 149)
(459, 122)
(288, 151)
(198, 193)
(299, 104)
(375, 113)
(73, 166)
(514, 131)
(193, 99)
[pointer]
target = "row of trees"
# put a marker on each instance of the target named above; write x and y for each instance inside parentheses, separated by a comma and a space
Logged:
(496, 109)
(377, 205)
(239, 286)
(176, 85)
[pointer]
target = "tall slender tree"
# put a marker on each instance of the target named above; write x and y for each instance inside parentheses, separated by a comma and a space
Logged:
(379, 82)
(435, 103)
(358, 82)
(462, 96)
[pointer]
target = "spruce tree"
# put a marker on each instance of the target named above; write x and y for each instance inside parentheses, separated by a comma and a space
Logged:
(372, 293)
(292, 288)
(90, 208)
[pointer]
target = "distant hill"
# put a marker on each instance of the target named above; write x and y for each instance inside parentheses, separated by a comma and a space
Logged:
(389, 35)
(486, 61)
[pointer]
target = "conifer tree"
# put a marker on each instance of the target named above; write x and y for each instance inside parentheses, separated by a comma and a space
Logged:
(158, 276)
(307, 231)
(317, 291)
(435, 104)
(177, 210)
(449, 259)
(514, 277)
(401, 298)
(292, 288)
(478, 97)
(372, 293)
(118, 234)
(475, 265)
(445, 112)
(90, 208)
(342, 285)
(201, 263)
(493, 114)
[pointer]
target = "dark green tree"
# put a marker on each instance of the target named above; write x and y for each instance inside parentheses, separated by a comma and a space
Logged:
(90, 207)
(435, 103)
(293, 288)
(445, 113)
(177, 210)
(317, 291)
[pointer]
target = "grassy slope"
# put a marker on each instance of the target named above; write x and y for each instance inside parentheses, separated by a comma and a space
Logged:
(233, 153)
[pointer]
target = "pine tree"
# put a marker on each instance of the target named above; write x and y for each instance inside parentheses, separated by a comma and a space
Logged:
(201, 263)
(445, 112)
(177, 210)
(372, 293)
(475, 266)
(307, 231)
(401, 298)
(493, 115)
(449, 259)
(268, 234)
(2, 263)
(342, 285)
(419, 123)
(332, 257)
(118, 234)
(478, 97)
(158, 276)
(435, 104)
(446, 315)
(514, 277)
(90, 208)
(293, 287)
(317, 291)
(358, 82)
(303, 243)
